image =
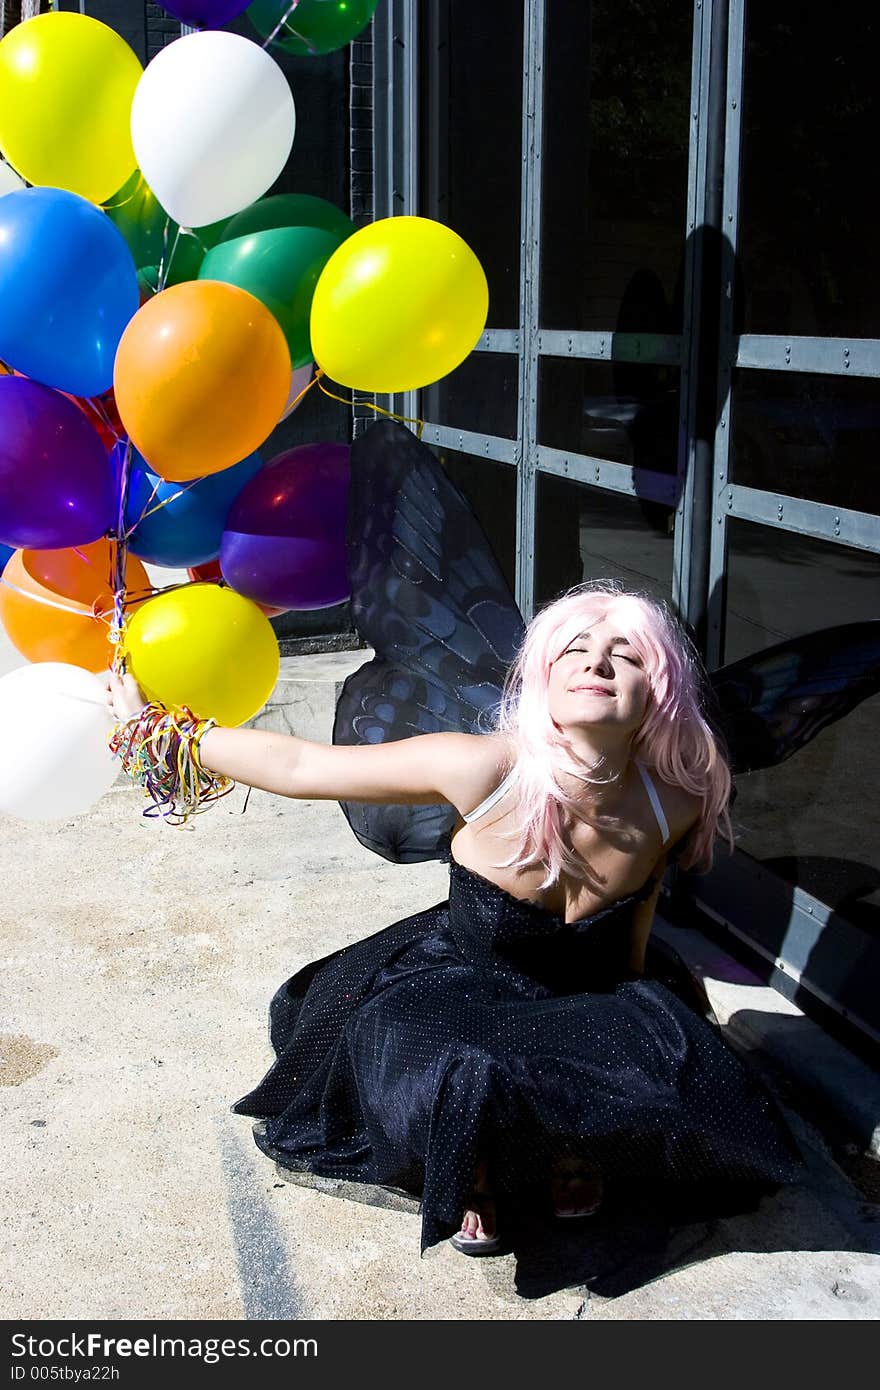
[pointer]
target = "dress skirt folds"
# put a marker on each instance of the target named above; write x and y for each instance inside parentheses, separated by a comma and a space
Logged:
(488, 1028)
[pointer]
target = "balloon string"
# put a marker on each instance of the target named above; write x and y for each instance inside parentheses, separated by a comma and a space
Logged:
(150, 511)
(120, 558)
(96, 405)
(81, 610)
(371, 405)
(294, 33)
(295, 402)
(194, 233)
(165, 267)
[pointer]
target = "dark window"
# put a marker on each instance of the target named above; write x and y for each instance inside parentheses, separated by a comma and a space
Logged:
(811, 126)
(813, 819)
(588, 533)
(490, 489)
(619, 411)
(471, 135)
(481, 395)
(816, 437)
(616, 125)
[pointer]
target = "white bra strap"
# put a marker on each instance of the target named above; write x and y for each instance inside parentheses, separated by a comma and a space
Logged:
(655, 801)
(491, 800)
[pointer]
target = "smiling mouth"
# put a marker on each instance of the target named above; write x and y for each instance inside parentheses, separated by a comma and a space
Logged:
(591, 690)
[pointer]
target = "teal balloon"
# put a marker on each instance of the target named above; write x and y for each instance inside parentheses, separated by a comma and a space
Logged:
(280, 268)
(276, 249)
(187, 530)
(315, 26)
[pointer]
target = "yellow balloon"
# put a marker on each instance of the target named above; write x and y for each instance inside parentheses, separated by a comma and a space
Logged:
(204, 647)
(398, 305)
(66, 88)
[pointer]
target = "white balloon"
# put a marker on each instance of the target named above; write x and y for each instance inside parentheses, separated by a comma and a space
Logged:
(212, 125)
(54, 758)
(9, 180)
(299, 380)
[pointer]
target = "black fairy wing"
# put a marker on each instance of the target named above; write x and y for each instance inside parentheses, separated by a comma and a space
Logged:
(429, 598)
(769, 705)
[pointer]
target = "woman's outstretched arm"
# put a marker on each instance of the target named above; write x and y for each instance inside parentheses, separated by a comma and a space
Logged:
(425, 769)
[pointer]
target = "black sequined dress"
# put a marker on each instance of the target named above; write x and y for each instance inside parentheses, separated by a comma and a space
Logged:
(487, 1027)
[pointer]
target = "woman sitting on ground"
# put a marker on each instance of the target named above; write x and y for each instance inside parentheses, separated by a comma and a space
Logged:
(504, 1046)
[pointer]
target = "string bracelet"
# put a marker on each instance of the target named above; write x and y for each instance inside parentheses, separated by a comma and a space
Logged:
(159, 750)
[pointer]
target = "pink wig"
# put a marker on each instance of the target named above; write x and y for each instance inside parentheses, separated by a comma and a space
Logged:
(673, 738)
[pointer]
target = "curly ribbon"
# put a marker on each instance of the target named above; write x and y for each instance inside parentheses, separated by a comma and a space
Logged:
(159, 750)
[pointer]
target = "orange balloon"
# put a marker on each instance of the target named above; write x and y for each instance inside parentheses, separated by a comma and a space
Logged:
(56, 605)
(202, 376)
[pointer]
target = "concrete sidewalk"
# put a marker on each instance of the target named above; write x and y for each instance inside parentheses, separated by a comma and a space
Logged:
(138, 965)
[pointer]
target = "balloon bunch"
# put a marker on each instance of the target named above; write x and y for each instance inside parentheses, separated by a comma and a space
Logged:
(159, 316)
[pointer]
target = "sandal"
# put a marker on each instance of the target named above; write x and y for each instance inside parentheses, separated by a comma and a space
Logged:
(476, 1245)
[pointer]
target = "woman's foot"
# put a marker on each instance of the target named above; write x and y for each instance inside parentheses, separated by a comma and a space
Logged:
(478, 1234)
(480, 1225)
(576, 1189)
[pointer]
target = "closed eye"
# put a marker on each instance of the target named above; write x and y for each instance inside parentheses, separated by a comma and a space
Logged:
(618, 656)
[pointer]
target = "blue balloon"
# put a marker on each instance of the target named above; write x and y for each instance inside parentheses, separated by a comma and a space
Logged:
(186, 531)
(6, 553)
(68, 287)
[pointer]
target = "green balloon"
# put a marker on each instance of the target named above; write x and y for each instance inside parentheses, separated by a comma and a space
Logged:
(138, 215)
(151, 235)
(288, 210)
(315, 26)
(280, 267)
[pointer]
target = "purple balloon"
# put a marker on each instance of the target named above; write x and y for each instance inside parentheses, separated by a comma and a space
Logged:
(284, 542)
(56, 483)
(206, 14)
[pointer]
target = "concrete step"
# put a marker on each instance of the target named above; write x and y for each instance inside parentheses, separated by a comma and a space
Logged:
(820, 1074)
(304, 699)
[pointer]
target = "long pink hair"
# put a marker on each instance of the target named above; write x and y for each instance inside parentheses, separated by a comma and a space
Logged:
(674, 737)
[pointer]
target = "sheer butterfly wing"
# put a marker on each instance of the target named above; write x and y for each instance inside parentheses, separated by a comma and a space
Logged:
(429, 598)
(771, 704)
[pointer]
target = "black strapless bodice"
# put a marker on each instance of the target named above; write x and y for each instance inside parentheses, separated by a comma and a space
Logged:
(527, 949)
(486, 1026)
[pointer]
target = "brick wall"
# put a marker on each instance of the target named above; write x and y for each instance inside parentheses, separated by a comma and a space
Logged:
(162, 28)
